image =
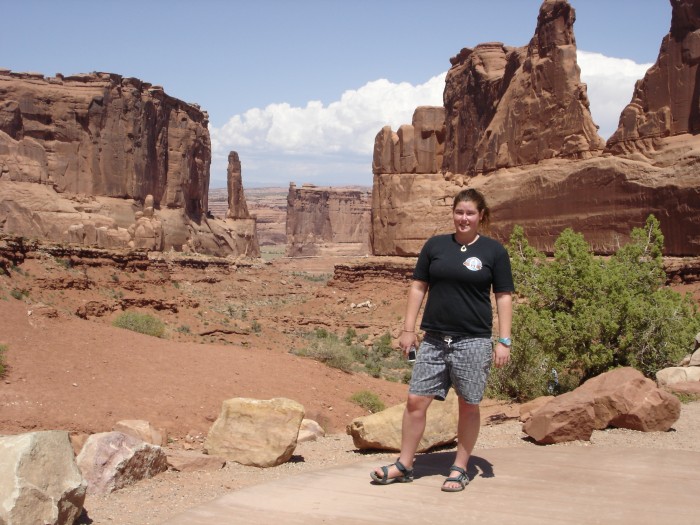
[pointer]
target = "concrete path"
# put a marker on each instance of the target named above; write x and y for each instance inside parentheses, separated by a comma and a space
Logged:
(540, 485)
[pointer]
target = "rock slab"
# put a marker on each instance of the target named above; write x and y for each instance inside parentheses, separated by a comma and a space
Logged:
(39, 480)
(261, 433)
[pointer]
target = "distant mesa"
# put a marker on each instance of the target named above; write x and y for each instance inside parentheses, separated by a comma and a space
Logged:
(327, 221)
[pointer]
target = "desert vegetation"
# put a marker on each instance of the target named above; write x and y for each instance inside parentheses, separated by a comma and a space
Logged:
(578, 315)
(141, 323)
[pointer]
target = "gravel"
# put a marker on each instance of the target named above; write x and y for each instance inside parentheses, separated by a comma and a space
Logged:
(153, 501)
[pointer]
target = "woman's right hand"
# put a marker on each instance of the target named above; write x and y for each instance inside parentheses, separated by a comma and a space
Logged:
(407, 340)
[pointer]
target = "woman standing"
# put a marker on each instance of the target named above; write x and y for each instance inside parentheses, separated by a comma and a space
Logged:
(459, 271)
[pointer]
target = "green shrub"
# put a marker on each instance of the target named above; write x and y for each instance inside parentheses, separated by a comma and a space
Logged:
(18, 294)
(379, 360)
(141, 323)
(3, 368)
(325, 347)
(579, 315)
(368, 400)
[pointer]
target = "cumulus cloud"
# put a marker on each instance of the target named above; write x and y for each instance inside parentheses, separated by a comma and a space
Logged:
(317, 137)
(332, 144)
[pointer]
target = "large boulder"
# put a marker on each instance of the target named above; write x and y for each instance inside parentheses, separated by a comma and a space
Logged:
(112, 460)
(261, 433)
(39, 479)
(382, 431)
(677, 374)
(621, 398)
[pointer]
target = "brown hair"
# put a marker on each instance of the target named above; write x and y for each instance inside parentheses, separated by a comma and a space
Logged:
(475, 196)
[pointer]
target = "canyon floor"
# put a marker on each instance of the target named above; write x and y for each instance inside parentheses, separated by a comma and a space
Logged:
(230, 331)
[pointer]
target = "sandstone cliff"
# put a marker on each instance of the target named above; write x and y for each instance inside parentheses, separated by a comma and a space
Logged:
(90, 149)
(517, 126)
(666, 102)
(324, 220)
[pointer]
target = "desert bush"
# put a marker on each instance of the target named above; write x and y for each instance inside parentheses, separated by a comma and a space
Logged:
(3, 366)
(379, 360)
(579, 315)
(368, 400)
(327, 348)
(141, 323)
(19, 294)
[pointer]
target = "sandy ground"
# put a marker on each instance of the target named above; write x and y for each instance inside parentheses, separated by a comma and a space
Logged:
(229, 333)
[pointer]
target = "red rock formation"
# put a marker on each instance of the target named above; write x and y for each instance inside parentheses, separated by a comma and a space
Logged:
(666, 102)
(102, 134)
(327, 220)
(417, 148)
(510, 107)
(518, 128)
(98, 145)
(237, 207)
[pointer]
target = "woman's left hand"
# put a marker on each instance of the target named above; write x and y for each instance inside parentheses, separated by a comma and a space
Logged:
(501, 355)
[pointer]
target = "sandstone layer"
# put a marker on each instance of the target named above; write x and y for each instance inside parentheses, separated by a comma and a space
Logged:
(90, 149)
(323, 220)
(518, 126)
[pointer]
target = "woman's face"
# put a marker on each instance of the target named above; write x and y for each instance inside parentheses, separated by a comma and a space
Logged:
(466, 217)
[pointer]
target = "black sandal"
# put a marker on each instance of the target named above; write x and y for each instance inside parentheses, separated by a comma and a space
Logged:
(405, 477)
(462, 479)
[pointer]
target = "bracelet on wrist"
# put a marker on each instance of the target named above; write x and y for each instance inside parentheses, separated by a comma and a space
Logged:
(409, 331)
(505, 341)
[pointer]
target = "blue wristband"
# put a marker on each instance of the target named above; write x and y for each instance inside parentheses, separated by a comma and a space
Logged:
(505, 340)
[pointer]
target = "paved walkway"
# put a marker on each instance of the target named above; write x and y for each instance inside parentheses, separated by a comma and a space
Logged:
(562, 485)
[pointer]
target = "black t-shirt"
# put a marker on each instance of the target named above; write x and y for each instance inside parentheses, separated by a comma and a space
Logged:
(459, 300)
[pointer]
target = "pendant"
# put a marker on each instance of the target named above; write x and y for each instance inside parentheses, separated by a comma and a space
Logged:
(463, 249)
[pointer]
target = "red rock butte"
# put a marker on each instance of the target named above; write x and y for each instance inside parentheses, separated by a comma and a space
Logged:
(114, 162)
(516, 125)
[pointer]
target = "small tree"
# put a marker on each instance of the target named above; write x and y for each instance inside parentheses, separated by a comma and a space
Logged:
(580, 315)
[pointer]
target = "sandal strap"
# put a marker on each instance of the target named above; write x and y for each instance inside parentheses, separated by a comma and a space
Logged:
(402, 468)
(458, 469)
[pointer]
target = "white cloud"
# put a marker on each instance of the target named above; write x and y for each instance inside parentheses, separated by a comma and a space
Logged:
(332, 144)
(331, 138)
(610, 86)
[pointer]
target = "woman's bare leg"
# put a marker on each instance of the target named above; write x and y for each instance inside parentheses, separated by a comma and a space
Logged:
(468, 428)
(412, 428)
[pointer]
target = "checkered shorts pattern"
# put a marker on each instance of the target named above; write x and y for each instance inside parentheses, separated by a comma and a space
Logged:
(464, 364)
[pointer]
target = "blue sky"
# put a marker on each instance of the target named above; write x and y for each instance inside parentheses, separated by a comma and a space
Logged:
(300, 88)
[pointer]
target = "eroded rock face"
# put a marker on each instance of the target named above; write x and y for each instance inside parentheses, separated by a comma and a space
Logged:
(103, 134)
(518, 128)
(510, 107)
(237, 207)
(416, 148)
(323, 220)
(107, 161)
(666, 101)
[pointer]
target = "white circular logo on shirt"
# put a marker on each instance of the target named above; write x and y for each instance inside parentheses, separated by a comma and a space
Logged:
(473, 264)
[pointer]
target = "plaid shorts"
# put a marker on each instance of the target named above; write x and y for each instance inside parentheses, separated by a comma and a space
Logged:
(464, 364)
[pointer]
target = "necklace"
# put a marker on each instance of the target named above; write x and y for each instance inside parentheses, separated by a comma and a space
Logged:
(463, 249)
